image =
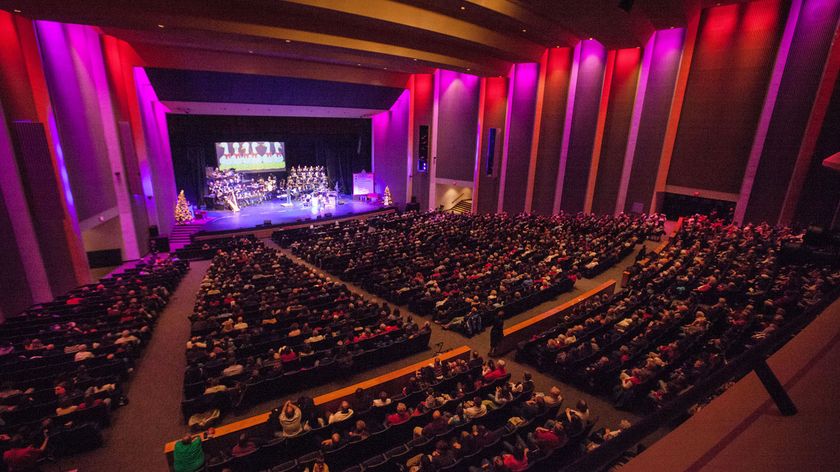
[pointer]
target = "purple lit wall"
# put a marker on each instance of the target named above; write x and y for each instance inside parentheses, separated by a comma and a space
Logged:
(659, 91)
(803, 70)
(66, 53)
(159, 180)
(390, 145)
(587, 98)
(517, 155)
(457, 122)
(616, 129)
(558, 71)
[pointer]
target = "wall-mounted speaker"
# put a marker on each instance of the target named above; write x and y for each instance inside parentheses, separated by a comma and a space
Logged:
(423, 150)
(490, 161)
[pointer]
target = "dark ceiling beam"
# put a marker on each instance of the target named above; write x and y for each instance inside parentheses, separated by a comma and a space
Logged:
(510, 47)
(179, 57)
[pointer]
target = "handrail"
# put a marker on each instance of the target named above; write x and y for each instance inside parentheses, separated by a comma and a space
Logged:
(525, 329)
(331, 398)
(607, 453)
(455, 202)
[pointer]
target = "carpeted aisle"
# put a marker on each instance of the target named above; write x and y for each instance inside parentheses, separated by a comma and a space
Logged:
(134, 442)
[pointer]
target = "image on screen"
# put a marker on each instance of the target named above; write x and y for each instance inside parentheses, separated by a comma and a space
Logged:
(252, 156)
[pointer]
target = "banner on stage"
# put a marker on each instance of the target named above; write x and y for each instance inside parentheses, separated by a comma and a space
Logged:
(362, 183)
(252, 156)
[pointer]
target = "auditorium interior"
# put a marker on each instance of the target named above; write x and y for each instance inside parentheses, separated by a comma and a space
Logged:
(419, 235)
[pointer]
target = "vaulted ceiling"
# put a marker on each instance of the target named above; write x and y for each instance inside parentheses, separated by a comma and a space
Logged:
(363, 41)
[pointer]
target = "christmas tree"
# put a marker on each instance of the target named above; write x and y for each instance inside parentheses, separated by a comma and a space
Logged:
(183, 214)
(386, 200)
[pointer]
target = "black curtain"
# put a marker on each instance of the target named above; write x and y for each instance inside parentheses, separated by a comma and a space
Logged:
(341, 145)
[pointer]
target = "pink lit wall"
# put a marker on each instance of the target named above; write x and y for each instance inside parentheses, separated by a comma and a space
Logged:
(522, 98)
(558, 70)
(587, 99)
(625, 75)
(730, 71)
(803, 70)
(659, 91)
(424, 89)
(390, 145)
(493, 110)
(457, 121)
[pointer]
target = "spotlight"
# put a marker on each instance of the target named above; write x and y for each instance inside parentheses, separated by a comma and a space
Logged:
(463, 7)
(524, 30)
(16, 10)
(288, 40)
(161, 26)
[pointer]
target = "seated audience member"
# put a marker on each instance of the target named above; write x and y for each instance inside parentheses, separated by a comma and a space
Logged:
(516, 460)
(243, 447)
(188, 455)
(497, 372)
(290, 420)
(359, 431)
(22, 457)
(400, 416)
(344, 412)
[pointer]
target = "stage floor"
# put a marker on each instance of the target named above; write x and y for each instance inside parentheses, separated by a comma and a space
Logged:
(253, 216)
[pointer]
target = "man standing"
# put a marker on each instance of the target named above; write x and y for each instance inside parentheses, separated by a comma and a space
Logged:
(497, 332)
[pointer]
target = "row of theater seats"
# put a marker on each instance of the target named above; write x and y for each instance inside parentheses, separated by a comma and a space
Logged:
(712, 294)
(64, 362)
(463, 269)
(206, 249)
(264, 326)
(389, 446)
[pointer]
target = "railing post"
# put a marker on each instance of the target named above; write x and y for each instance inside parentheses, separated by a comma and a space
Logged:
(775, 389)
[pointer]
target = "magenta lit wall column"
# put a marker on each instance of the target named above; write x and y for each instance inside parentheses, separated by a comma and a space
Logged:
(457, 122)
(587, 98)
(659, 91)
(522, 98)
(558, 72)
(390, 145)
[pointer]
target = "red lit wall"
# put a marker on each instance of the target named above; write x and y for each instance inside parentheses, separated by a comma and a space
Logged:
(733, 59)
(559, 68)
(616, 129)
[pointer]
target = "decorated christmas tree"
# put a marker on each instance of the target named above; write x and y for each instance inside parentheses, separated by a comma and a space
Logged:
(386, 199)
(183, 214)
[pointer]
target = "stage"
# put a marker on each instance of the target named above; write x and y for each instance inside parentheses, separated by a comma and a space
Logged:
(251, 217)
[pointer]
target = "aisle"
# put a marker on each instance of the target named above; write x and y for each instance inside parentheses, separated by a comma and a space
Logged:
(134, 442)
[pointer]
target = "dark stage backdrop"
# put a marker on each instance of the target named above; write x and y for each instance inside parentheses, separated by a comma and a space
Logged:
(341, 145)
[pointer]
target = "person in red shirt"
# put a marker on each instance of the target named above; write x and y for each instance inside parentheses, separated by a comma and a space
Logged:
(24, 458)
(496, 373)
(517, 460)
(401, 416)
(550, 437)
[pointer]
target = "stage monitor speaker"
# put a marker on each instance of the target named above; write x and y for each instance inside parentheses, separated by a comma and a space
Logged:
(159, 244)
(423, 151)
(267, 222)
(153, 231)
(104, 258)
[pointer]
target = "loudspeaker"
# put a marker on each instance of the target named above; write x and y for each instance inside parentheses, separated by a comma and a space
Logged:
(159, 244)
(423, 151)
(266, 222)
(490, 161)
(104, 258)
(153, 231)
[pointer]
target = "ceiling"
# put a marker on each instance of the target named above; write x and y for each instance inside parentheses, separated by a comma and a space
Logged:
(363, 41)
(205, 90)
